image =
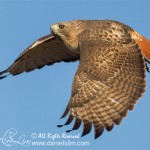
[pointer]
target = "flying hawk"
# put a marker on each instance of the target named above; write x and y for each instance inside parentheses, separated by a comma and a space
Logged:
(111, 74)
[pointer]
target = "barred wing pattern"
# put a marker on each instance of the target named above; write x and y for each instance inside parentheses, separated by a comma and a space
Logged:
(45, 51)
(110, 78)
(109, 81)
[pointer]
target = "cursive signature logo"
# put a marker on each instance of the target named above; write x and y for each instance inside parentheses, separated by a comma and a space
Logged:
(10, 138)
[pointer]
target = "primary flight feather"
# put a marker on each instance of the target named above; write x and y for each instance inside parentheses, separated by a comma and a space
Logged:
(111, 75)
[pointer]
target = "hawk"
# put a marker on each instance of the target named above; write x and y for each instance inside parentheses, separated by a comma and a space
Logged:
(111, 74)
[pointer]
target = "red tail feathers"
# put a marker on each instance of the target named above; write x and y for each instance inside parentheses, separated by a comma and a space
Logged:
(143, 42)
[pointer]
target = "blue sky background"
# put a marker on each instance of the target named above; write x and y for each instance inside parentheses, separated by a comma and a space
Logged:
(33, 102)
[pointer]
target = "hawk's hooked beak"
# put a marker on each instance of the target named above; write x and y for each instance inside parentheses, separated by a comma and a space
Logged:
(54, 28)
(54, 31)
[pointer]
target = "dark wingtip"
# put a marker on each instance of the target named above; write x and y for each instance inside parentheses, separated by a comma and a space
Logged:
(110, 127)
(87, 128)
(69, 120)
(97, 136)
(99, 133)
(76, 125)
(84, 133)
(65, 113)
(68, 130)
(59, 126)
(4, 76)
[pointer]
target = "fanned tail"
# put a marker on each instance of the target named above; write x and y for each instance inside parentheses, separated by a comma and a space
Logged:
(143, 42)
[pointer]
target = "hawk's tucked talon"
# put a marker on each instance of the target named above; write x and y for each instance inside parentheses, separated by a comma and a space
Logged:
(148, 61)
(147, 68)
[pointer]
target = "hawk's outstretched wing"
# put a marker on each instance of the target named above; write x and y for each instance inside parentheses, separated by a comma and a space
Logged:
(109, 81)
(111, 75)
(45, 51)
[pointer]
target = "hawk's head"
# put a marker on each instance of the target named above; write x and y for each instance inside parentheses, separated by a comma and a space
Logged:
(67, 29)
(68, 32)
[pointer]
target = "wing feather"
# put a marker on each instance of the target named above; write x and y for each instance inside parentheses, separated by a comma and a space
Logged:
(105, 89)
(45, 51)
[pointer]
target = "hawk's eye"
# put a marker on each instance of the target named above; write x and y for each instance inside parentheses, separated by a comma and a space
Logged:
(61, 26)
